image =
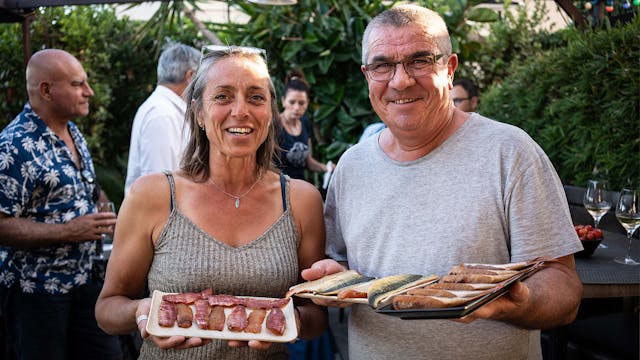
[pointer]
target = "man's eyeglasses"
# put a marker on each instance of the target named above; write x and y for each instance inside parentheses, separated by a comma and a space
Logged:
(207, 49)
(415, 67)
(458, 101)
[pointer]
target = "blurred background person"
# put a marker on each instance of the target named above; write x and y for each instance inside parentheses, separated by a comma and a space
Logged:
(227, 220)
(295, 131)
(157, 134)
(49, 271)
(465, 95)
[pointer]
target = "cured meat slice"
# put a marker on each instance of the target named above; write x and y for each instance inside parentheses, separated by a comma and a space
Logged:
(183, 298)
(237, 320)
(276, 322)
(475, 278)
(255, 320)
(167, 314)
(447, 293)
(253, 303)
(510, 266)
(461, 269)
(406, 302)
(461, 286)
(185, 315)
(217, 318)
(202, 314)
(225, 300)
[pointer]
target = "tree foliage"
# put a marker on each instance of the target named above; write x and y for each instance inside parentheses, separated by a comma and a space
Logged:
(121, 70)
(580, 103)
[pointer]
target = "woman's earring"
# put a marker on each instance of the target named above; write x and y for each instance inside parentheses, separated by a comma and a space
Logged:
(201, 126)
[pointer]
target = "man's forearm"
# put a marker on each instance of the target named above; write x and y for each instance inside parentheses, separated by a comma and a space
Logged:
(24, 233)
(554, 298)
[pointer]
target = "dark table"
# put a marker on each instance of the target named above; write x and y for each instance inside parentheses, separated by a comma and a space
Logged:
(602, 277)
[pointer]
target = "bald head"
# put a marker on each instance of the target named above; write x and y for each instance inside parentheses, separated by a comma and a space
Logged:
(57, 85)
(47, 66)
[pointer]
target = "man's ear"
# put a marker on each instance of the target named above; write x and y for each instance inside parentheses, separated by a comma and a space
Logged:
(45, 90)
(474, 103)
(188, 75)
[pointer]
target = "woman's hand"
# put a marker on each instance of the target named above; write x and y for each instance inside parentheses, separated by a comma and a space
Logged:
(254, 344)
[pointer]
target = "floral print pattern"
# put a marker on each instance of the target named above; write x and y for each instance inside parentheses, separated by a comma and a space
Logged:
(39, 181)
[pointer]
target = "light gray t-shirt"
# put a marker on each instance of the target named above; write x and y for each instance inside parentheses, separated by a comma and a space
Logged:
(488, 194)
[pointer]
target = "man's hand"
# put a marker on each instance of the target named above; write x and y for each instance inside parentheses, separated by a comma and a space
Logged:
(90, 226)
(509, 303)
(322, 268)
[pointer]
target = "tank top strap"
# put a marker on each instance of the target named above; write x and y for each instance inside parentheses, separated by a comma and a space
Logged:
(283, 189)
(172, 187)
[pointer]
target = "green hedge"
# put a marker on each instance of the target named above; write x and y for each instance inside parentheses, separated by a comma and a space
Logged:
(580, 103)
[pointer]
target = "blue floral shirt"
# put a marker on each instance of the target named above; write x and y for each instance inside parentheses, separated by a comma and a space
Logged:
(40, 182)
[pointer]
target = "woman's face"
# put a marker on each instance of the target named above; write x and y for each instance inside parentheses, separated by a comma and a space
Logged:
(295, 104)
(236, 110)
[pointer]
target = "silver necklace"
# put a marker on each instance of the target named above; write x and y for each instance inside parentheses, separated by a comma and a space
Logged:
(237, 197)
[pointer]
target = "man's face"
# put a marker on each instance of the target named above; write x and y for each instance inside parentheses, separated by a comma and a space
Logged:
(70, 91)
(407, 103)
(461, 99)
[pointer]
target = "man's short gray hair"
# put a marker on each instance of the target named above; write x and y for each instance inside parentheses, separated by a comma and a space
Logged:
(175, 60)
(405, 15)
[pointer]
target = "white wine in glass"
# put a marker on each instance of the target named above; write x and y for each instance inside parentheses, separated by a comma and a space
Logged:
(628, 214)
(108, 206)
(596, 201)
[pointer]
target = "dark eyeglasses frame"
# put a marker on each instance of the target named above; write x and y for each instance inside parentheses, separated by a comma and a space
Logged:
(406, 64)
(457, 101)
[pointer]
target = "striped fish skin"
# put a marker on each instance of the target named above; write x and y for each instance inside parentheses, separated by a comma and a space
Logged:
(334, 287)
(380, 287)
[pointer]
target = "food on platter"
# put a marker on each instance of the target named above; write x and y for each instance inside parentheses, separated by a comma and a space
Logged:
(464, 288)
(382, 290)
(330, 284)
(221, 316)
(352, 287)
(357, 291)
(276, 322)
(463, 285)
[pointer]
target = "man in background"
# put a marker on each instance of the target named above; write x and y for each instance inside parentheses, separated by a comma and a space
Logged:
(49, 222)
(157, 132)
(465, 95)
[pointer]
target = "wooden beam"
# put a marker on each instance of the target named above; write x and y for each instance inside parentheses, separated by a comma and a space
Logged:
(574, 13)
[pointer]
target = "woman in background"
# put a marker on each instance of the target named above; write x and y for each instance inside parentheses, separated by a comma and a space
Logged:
(295, 131)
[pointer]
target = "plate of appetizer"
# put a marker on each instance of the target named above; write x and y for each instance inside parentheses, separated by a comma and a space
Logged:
(227, 317)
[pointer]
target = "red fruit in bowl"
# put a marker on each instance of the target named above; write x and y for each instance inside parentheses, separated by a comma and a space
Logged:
(597, 233)
(591, 236)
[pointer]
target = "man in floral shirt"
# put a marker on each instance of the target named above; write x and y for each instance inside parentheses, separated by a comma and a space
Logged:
(48, 219)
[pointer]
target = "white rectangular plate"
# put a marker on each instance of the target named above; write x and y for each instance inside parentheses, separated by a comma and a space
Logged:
(290, 334)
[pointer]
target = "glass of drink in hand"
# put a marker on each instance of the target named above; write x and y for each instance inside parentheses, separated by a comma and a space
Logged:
(108, 206)
(628, 214)
(596, 201)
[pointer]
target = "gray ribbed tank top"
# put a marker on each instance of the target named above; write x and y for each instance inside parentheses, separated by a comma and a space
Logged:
(187, 259)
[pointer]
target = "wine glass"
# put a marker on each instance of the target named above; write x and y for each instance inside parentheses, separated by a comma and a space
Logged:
(107, 206)
(596, 201)
(628, 214)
